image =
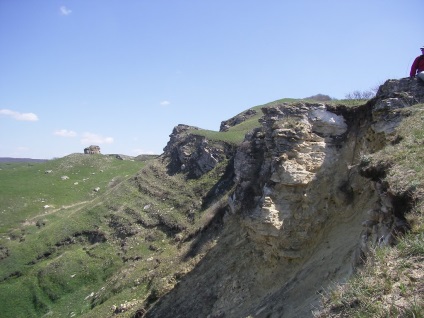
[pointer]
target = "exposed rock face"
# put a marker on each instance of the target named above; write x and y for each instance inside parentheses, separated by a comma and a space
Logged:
(298, 144)
(193, 154)
(393, 96)
(92, 150)
(304, 210)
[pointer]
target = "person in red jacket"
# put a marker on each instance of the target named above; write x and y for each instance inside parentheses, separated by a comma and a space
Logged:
(417, 68)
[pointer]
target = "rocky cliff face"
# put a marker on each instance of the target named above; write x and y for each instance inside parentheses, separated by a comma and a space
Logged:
(305, 209)
(194, 155)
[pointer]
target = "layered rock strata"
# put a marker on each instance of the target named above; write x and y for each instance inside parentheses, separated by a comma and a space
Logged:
(304, 212)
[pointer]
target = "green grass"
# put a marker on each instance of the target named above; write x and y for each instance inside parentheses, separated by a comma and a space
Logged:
(52, 258)
(117, 244)
(235, 135)
(406, 156)
(26, 188)
(231, 137)
(57, 282)
(387, 286)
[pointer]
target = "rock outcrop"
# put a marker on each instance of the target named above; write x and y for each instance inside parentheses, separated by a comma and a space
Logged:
(92, 150)
(194, 155)
(304, 211)
(391, 97)
(299, 146)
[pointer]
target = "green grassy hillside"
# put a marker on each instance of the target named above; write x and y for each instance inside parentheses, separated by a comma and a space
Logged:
(96, 253)
(49, 215)
(26, 188)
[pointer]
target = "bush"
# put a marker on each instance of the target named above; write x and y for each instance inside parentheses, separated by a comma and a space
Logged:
(360, 95)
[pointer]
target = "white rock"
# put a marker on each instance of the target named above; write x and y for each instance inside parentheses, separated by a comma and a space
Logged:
(327, 123)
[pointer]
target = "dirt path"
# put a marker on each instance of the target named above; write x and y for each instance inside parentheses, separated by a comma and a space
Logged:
(48, 211)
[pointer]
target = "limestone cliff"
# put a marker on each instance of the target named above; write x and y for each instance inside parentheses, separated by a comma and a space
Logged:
(304, 210)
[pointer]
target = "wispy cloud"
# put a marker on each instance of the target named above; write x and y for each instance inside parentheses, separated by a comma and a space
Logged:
(18, 115)
(165, 103)
(90, 138)
(65, 133)
(65, 11)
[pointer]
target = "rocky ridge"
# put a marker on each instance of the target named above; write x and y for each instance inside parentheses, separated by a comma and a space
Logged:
(304, 211)
(194, 155)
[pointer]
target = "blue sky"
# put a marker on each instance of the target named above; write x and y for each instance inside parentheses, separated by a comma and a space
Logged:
(122, 74)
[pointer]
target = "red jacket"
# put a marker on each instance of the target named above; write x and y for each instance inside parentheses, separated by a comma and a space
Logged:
(418, 65)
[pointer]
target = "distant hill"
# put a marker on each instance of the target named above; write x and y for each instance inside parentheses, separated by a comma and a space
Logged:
(8, 159)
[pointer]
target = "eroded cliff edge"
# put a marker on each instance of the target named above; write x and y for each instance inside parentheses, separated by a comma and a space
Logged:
(303, 211)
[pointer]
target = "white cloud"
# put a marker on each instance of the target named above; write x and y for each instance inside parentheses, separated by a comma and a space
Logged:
(165, 103)
(90, 138)
(19, 116)
(65, 133)
(65, 11)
